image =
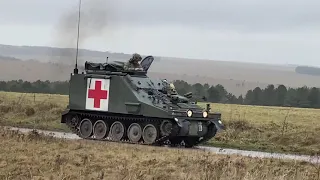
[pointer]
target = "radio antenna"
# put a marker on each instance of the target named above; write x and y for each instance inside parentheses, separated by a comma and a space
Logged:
(76, 66)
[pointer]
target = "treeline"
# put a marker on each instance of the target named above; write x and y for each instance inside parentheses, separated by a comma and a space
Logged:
(303, 97)
(308, 70)
(270, 96)
(59, 87)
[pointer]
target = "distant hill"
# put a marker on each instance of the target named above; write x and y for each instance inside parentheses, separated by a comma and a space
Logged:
(9, 50)
(8, 58)
(61, 55)
(314, 71)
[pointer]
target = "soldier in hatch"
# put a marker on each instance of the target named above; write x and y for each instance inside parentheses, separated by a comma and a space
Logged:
(134, 63)
(170, 88)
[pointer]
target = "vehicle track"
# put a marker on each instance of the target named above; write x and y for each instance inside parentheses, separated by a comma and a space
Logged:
(306, 158)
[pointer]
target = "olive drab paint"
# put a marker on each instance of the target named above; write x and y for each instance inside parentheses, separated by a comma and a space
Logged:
(110, 102)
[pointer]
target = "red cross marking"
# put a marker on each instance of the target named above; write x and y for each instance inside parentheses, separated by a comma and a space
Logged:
(97, 94)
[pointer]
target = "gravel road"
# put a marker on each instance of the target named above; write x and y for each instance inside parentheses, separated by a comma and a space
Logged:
(312, 159)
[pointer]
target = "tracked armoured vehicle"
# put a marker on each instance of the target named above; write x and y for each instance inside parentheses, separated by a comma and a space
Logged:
(107, 102)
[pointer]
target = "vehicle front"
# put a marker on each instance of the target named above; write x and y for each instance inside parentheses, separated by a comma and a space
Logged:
(183, 119)
(197, 125)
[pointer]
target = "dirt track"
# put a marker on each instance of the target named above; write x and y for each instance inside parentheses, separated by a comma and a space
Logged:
(312, 159)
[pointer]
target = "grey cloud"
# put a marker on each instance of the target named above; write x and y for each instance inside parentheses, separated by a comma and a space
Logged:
(245, 15)
(238, 15)
(94, 20)
(32, 11)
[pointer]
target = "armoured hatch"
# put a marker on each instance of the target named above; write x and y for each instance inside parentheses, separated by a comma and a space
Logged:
(117, 67)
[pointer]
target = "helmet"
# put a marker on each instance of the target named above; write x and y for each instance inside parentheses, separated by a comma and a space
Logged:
(136, 57)
(172, 87)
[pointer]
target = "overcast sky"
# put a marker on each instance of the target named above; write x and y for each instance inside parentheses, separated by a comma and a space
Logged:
(285, 32)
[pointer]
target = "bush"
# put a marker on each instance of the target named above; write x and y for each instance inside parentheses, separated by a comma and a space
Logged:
(30, 111)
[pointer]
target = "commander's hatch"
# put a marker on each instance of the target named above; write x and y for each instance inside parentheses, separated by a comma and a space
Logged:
(146, 63)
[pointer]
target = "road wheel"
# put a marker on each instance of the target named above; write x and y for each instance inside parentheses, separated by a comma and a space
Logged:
(85, 128)
(117, 131)
(100, 129)
(134, 132)
(149, 134)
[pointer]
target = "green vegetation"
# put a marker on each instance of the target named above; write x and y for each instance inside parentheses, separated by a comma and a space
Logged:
(33, 156)
(271, 96)
(303, 97)
(272, 129)
(315, 71)
(35, 87)
(275, 129)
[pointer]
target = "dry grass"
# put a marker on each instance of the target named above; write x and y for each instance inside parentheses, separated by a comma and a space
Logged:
(248, 127)
(278, 129)
(32, 156)
(32, 110)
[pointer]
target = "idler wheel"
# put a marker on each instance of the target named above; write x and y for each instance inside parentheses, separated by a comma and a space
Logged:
(100, 129)
(85, 128)
(73, 121)
(116, 131)
(149, 134)
(134, 132)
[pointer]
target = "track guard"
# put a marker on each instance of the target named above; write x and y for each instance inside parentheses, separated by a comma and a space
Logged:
(218, 124)
(184, 127)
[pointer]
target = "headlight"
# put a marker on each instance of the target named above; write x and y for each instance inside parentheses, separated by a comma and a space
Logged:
(189, 113)
(205, 114)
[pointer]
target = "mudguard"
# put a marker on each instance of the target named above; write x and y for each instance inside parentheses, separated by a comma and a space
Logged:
(218, 124)
(184, 125)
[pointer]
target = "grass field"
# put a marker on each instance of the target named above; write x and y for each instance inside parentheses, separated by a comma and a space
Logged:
(33, 156)
(274, 129)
